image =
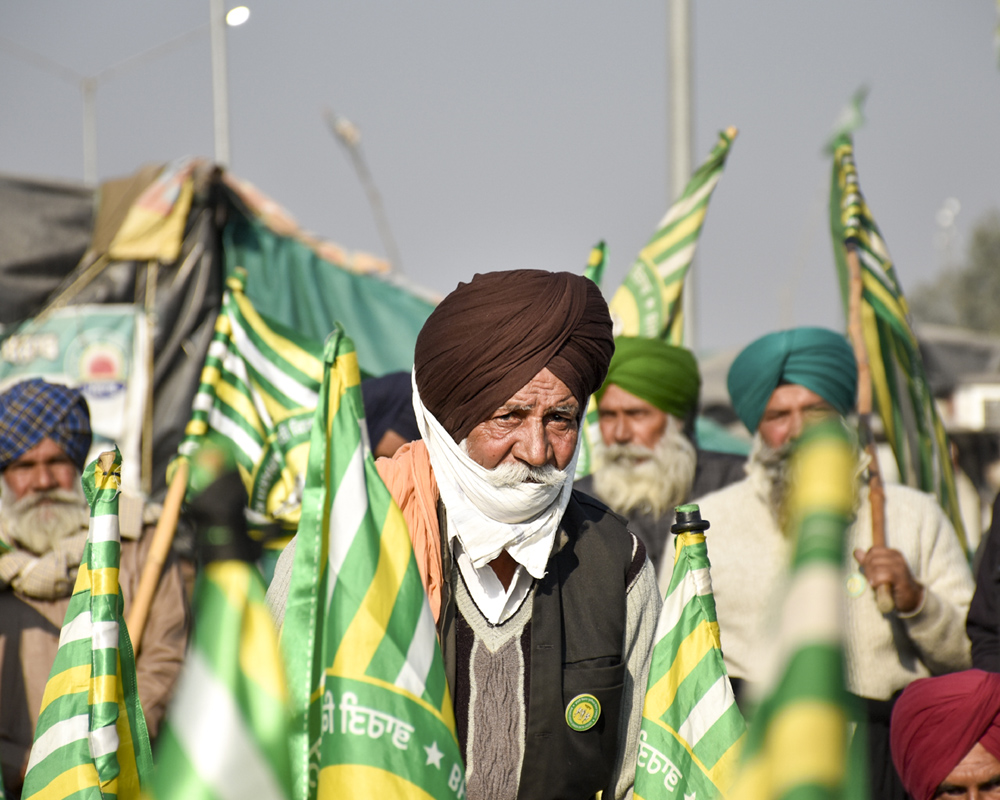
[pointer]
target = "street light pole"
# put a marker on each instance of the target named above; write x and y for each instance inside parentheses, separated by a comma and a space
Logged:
(681, 128)
(220, 81)
(88, 87)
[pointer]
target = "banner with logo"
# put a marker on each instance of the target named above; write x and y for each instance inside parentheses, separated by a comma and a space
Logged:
(99, 349)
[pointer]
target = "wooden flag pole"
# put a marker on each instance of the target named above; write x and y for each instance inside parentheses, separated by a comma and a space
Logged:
(876, 490)
(159, 549)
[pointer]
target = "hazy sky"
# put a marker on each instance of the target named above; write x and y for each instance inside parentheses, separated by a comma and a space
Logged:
(519, 133)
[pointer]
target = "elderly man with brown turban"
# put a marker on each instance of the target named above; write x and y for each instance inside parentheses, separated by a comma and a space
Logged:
(946, 736)
(545, 604)
(44, 438)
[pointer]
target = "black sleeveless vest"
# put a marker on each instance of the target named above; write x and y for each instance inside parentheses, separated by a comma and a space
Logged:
(577, 632)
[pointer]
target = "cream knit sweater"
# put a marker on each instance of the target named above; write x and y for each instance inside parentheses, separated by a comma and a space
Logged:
(750, 556)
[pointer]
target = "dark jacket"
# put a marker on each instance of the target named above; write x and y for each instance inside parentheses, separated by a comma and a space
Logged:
(577, 629)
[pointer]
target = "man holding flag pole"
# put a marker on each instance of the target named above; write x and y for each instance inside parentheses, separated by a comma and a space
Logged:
(778, 384)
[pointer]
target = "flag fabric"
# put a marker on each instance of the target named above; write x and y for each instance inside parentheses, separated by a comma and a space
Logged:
(851, 117)
(372, 715)
(648, 303)
(258, 389)
(899, 381)
(91, 739)
(590, 431)
(226, 733)
(797, 743)
(596, 262)
(692, 730)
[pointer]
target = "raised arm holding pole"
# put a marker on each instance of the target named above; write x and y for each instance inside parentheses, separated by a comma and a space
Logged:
(876, 491)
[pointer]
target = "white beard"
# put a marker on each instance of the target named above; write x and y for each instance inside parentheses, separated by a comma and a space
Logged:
(651, 481)
(39, 520)
(770, 465)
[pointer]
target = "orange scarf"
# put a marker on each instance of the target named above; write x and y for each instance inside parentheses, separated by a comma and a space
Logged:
(410, 479)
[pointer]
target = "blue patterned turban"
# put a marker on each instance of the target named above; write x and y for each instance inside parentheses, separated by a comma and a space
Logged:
(816, 358)
(34, 410)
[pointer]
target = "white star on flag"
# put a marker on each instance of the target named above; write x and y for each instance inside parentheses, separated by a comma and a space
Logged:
(434, 756)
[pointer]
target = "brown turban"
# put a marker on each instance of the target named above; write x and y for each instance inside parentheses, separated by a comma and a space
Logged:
(492, 335)
(937, 721)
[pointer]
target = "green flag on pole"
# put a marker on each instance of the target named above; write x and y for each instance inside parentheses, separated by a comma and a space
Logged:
(648, 303)
(258, 389)
(371, 707)
(596, 263)
(226, 733)
(899, 380)
(590, 432)
(797, 744)
(91, 739)
(692, 730)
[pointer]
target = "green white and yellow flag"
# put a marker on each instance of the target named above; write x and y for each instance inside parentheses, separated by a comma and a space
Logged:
(590, 432)
(899, 380)
(797, 744)
(258, 389)
(372, 711)
(91, 739)
(226, 733)
(648, 303)
(692, 730)
(596, 262)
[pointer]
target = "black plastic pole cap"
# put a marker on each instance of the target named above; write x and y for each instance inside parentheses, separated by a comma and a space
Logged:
(688, 519)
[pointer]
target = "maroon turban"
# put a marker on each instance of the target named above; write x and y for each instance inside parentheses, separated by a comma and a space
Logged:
(937, 721)
(492, 335)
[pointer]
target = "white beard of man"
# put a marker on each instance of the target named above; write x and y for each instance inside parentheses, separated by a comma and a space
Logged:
(652, 481)
(772, 465)
(40, 519)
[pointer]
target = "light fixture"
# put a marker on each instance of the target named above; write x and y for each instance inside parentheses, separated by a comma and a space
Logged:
(237, 16)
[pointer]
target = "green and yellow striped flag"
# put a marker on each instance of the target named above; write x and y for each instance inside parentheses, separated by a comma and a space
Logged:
(899, 380)
(692, 730)
(596, 262)
(591, 431)
(648, 303)
(227, 731)
(373, 715)
(91, 739)
(797, 744)
(258, 389)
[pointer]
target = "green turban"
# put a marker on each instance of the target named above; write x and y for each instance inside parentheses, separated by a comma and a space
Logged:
(663, 375)
(816, 358)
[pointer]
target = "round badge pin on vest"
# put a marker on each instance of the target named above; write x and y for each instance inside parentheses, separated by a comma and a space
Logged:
(856, 584)
(583, 712)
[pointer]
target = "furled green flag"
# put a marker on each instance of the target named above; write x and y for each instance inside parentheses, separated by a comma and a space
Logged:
(591, 431)
(692, 730)
(899, 380)
(798, 742)
(372, 711)
(649, 303)
(852, 117)
(596, 263)
(91, 740)
(226, 733)
(258, 389)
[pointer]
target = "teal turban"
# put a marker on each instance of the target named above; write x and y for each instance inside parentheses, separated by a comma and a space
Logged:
(663, 375)
(816, 358)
